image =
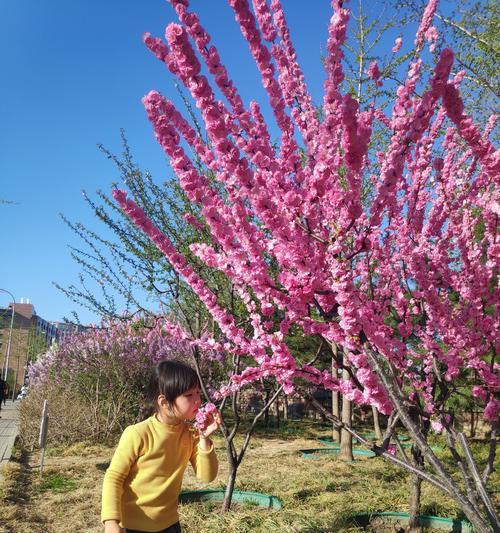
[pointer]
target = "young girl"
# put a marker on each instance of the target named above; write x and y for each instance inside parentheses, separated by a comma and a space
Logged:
(143, 482)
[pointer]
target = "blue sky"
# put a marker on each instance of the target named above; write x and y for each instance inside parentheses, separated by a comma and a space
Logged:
(73, 74)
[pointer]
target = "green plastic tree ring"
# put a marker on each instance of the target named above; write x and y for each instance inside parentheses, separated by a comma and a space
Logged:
(256, 498)
(434, 522)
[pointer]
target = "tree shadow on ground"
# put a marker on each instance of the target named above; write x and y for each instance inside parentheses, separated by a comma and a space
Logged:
(103, 466)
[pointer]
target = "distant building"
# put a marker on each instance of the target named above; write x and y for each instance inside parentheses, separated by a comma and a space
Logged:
(31, 335)
(63, 329)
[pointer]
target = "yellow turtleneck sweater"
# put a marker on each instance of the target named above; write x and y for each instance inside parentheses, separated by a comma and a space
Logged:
(143, 481)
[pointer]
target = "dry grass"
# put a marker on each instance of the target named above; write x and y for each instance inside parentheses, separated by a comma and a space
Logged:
(317, 493)
(71, 418)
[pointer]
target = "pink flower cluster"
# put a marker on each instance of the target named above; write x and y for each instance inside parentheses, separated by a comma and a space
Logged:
(425, 23)
(431, 36)
(374, 73)
(204, 416)
(409, 278)
(397, 45)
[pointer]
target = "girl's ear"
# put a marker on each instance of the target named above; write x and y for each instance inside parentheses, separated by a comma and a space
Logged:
(161, 401)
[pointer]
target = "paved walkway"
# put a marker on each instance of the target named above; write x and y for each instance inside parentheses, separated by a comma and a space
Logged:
(8, 430)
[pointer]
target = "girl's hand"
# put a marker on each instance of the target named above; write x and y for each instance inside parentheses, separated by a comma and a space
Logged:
(213, 425)
(112, 526)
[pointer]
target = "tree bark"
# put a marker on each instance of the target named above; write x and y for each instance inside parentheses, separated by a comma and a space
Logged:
(277, 413)
(472, 424)
(415, 493)
(376, 423)
(335, 398)
(345, 453)
(266, 410)
(336, 413)
(231, 480)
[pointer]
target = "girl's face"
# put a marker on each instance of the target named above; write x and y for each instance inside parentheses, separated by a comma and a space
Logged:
(188, 403)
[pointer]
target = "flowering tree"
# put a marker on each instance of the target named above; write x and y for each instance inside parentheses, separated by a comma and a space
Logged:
(128, 265)
(404, 287)
(104, 370)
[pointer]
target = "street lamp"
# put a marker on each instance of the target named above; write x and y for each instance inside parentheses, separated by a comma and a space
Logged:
(10, 334)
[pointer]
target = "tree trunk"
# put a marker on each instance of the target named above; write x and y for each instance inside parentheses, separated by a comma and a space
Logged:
(415, 493)
(335, 400)
(472, 426)
(335, 412)
(231, 480)
(266, 410)
(277, 413)
(376, 423)
(345, 437)
(285, 408)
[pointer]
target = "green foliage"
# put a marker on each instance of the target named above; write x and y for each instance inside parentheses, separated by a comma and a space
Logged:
(471, 28)
(37, 344)
(121, 269)
(58, 483)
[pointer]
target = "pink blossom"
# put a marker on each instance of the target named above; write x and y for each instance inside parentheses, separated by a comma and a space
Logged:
(374, 72)
(263, 15)
(431, 36)
(397, 45)
(479, 392)
(437, 426)
(425, 22)
(204, 415)
(492, 410)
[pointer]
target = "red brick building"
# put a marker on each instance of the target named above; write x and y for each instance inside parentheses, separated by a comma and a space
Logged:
(30, 336)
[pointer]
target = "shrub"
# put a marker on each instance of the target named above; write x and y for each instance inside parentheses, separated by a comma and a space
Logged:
(94, 380)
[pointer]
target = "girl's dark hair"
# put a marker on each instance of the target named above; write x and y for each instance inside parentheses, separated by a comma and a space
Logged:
(170, 378)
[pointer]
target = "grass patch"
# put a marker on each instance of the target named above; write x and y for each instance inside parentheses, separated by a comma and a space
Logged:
(57, 483)
(18, 514)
